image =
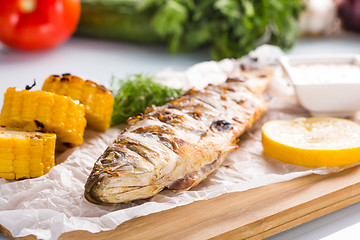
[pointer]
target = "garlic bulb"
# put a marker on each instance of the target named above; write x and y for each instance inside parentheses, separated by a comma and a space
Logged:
(319, 17)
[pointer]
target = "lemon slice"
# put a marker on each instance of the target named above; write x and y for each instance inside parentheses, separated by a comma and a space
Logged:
(312, 142)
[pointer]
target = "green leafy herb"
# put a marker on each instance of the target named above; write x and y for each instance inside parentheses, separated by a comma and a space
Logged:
(230, 28)
(134, 94)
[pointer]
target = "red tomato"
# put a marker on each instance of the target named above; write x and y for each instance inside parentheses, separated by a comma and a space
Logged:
(37, 24)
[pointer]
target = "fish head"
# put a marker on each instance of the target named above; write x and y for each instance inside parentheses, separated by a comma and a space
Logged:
(119, 173)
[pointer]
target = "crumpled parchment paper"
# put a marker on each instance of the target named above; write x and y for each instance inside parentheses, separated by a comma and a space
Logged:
(54, 203)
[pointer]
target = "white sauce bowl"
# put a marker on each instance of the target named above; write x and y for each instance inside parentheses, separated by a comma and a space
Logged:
(325, 85)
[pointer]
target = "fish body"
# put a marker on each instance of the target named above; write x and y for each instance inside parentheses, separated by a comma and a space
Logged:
(177, 145)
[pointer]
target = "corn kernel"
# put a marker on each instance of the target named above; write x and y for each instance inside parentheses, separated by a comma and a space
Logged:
(98, 100)
(31, 153)
(45, 111)
(7, 175)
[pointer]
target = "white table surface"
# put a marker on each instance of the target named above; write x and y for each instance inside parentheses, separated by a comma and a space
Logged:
(100, 60)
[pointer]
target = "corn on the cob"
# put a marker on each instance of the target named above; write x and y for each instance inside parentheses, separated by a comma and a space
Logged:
(98, 100)
(26, 154)
(47, 112)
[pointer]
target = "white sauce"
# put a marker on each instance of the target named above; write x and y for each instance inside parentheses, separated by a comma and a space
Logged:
(326, 73)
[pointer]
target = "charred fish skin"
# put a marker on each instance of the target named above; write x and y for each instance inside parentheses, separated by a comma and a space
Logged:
(125, 172)
(178, 145)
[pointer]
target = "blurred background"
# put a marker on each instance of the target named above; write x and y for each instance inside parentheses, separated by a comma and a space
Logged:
(222, 28)
(169, 33)
(98, 39)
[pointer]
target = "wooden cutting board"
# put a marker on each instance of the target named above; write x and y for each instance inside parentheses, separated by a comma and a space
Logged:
(253, 214)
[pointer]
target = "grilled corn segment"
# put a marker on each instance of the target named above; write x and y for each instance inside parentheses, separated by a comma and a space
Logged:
(26, 154)
(46, 112)
(98, 100)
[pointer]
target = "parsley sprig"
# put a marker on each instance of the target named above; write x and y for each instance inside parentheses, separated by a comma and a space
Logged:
(133, 94)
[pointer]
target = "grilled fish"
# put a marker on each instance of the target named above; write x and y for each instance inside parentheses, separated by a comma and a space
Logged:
(178, 145)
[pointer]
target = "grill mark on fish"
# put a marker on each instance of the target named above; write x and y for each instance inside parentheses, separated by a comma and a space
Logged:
(219, 90)
(167, 116)
(176, 102)
(154, 129)
(194, 103)
(190, 92)
(135, 118)
(110, 156)
(140, 149)
(188, 123)
(214, 100)
(235, 79)
(206, 103)
(168, 143)
(234, 97)
(159, 132)
(198, 110)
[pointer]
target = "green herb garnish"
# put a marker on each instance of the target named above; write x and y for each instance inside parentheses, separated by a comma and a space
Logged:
(230, 28)
(134, 94)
